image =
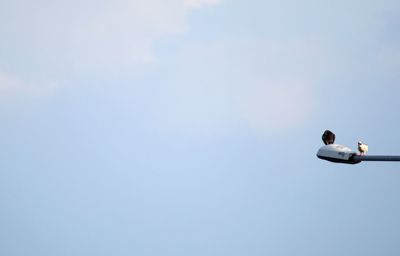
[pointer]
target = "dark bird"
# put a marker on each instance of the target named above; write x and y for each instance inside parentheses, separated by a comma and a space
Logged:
(328, 137)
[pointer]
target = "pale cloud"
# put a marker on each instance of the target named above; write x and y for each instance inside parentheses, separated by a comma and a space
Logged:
(8, 83)
(90, 36)
(51, 40)
(266, 86)
(277, 105)
(11, 86)
(201, 3)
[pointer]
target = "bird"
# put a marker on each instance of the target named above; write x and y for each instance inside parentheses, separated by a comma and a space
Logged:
(363, 148)
(328, 137)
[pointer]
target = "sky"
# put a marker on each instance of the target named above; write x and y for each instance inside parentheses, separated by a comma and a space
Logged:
(190, 127)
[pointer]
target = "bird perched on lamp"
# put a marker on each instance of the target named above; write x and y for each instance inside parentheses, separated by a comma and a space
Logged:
(328, 137)
(362, 147)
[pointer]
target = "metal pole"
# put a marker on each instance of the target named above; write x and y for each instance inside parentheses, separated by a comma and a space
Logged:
(359, 158)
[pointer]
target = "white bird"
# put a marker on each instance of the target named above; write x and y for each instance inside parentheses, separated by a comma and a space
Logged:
(363, 148)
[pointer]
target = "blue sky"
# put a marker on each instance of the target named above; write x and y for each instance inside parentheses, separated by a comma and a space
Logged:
(190, 127)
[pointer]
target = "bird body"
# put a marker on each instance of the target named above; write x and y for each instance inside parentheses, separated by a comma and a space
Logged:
(328, 137)
(363, 148)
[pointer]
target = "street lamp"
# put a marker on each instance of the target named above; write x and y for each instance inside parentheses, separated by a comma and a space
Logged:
(342, 154)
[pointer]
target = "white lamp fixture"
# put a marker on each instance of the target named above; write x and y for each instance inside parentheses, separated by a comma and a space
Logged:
(342, 154)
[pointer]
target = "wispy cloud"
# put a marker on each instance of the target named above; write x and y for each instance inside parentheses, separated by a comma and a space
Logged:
(53, 40)
(99, 36)
(11, 85)
(201, 3)
(266, 86)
